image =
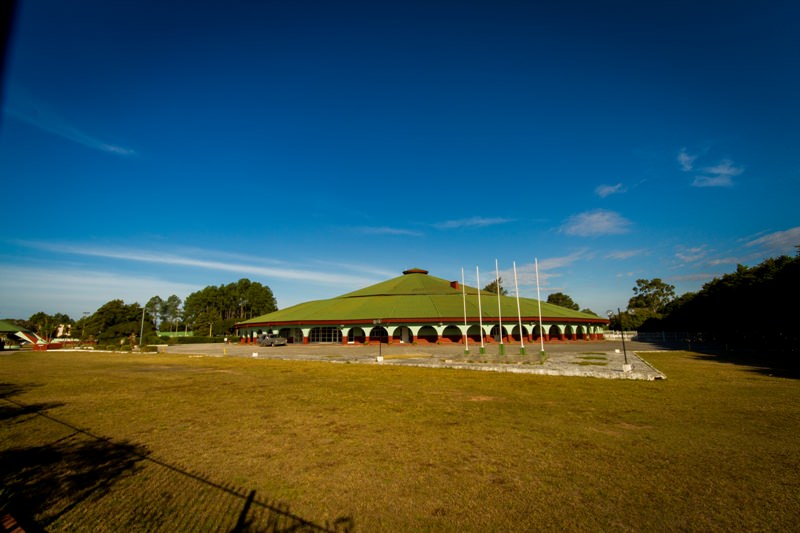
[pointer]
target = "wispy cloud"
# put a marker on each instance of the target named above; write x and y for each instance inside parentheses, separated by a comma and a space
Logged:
(473, 222)
(699, 276)
(353, 267)
(73, 292)
(607, 190)
(243, 268)
(720, 175)
(691, 255)
(724, 261)
(548, 270)
(596, 223)
(38, 115)
(782, 242)
(686, 160)
(621, 255)
(385, 230)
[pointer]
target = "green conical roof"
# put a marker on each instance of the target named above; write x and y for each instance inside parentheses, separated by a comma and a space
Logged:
(414, 296)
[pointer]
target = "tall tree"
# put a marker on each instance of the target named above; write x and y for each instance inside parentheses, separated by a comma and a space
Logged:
(223, 306)
(47, 326)
(116, 320)
(172, 310)
(155, 309)
(651, 295)
(493, 287)
(562, 300)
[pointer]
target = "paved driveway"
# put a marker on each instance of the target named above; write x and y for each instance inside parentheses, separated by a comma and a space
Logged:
(595, 359)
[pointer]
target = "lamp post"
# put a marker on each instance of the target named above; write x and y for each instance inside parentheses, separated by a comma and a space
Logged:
(83, 325)
(626, 367)
(141, 329)
(377, 323)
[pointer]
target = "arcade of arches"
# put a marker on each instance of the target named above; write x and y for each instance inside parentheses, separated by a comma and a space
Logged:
(428, 333)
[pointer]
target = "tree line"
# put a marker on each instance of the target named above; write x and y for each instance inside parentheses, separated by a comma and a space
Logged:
(750, 307)
(210, 311)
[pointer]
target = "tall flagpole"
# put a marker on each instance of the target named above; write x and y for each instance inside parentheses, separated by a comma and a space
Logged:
(519, 314)
(539, 301)
(499, 312)
(480, 313)
(464, 301)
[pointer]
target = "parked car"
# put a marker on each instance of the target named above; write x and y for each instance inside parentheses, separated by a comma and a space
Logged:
(267, 339)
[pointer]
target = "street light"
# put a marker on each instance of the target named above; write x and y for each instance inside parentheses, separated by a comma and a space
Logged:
(377, 323)
(626, 367)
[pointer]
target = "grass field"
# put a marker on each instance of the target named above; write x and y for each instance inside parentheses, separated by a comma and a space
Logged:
(97, 441)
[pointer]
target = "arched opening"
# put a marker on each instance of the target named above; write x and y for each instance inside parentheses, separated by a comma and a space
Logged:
(536, 334)
(474, 333)
(356, 335)
(403, 334)
(292, 335)
(451, 334)
(495, 333)
(378, 334)
(427, 334)
(515, 333)
(569, 332)
(580, 332)
(325, 334)
(554, 333)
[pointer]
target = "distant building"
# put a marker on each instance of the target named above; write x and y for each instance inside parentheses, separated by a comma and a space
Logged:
(416, 307)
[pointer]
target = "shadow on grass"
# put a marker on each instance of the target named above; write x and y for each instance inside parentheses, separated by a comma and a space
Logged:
(769, 363)
(42, 483)
(766, 361)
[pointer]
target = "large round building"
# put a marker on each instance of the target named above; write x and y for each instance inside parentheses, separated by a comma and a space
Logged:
(419, 308)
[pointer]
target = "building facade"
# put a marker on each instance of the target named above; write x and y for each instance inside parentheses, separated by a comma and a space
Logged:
(419, 308)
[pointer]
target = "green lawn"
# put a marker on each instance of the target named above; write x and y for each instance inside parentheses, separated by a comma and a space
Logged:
(716, 446)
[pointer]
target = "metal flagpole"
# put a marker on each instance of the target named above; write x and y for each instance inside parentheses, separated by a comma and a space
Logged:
(539, 301)
(464, 301)
(499, 312)
(519, 313)
(480, 313)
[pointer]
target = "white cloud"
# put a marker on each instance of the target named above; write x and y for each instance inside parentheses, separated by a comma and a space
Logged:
(472, 222)
(686, 160)
(724, 261)
(625, 254)
(718, 176)
(782, 242)
(295, 274)
(595, 223)
(691, 255)
(700, 276)
(36, 114)
(607, 190)
(385, 230)
(548, 267)
(712, 181)
(61, 290)
(725, 168)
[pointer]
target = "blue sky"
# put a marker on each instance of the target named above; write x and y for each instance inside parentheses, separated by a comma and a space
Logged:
(154, 148)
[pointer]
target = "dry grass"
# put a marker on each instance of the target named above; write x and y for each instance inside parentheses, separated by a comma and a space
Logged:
(714, 447)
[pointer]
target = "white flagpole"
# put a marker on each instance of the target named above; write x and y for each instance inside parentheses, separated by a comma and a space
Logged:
(480, 312)
(464, 301)
(499, 312)
(539, 301)
(519, 313)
